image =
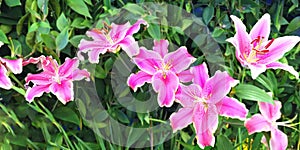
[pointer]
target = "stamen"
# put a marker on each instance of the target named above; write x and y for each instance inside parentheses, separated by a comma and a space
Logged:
(261, 52)
(97, 31)
(256, 40)
(269, 44)
(106, 25)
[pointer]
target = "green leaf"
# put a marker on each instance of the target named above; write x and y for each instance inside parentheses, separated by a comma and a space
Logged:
(208, 14)
(100, 72)
(223, 143)
(251, 92)
(49, 41)
(75, 40)
(62, 22)
(80, 7)
(12, 3)
(17, 47)
(62, 39)
(294, 25)
(43, 6)
(134, 8)
(134, 136)
(66, 114)
(122, 116)
(89, 2)
(3, 37)
(154, 31)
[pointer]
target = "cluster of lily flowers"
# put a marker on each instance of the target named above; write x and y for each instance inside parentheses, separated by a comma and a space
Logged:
(203, 98)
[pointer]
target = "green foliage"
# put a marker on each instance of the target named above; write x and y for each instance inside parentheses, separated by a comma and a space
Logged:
(55, 27)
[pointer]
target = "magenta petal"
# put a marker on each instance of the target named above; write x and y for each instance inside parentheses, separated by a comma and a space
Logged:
(63, 91)
(5, 81)
(130, 46)
(49, 64)
(96, 35)
(185, 76)
(257, 69)
(278, 48)
(270, 111)
(85, 45)
(148, 61)
(257, 123)
(218, 86)
(32, 60)
(165, 84)
(161, 47)
(242, 37)
(205, 122)
(136, 27)
(205, 118)
(181, 119)
(42, 78)
(186, 95)
(68, 67)
(179, 59)
(262, 28)
(205, 139)
(200, 73)
(94, 55)
(118, 32)
(36, 91)
(138, 79)
(278, 65)
(14, 65)
(278, 140)
(231, 107)
(80, 74)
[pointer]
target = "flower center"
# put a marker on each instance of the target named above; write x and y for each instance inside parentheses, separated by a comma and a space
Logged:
(165, 67)
(257, 49)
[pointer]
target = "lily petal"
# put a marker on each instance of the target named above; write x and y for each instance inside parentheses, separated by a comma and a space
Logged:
(278, 48)
(278, 140)
(36, 91)
(270, 111)
(138, 80)
(278, 65)
(161, 46)
(68, 67)
(5, 81)
(231, 107)
(185, 76)
(130, 46)
(200, 73)
(165, 84)
(242, 37)
(136, 27)
(63, 91)
(205, 123)
(181, 119)
(14, 65)
(94, 55)
(80, 74)
(185, 95)
(262, 28)
(179, 59)
(205, 118)
(205, 139)
(218, 86)
(49, 64)
(148, 61)
(256, 70)
(42, 78)
(118, 32)
(96, 35)
(257, 123)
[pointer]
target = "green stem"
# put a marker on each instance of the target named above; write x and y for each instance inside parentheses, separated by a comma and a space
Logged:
(157, 120)
(16, 80)
(243, 75)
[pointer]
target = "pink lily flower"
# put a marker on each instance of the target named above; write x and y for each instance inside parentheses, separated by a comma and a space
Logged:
(203, 101)
(55, 79)
(15, 66)
(119, 36)
(266, 121)
(256, 52)
(161, 69)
